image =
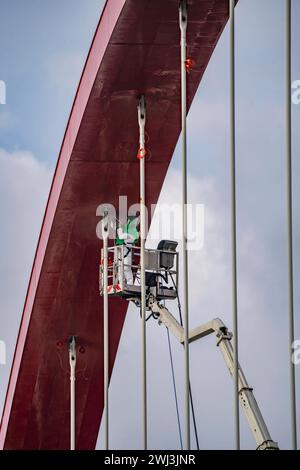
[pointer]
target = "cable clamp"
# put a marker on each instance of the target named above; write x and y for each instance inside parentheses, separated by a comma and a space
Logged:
(189, 64)
(141, 153)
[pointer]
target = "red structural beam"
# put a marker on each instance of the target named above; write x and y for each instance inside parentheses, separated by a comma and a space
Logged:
(135, 51)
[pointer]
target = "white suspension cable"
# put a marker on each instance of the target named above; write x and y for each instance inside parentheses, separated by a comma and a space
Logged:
(105, 330)
(141, 156)
(183, 29)
(72, 361)
(290, 222)
(233, 226)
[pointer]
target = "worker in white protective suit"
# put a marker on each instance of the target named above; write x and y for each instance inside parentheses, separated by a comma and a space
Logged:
(128, 235)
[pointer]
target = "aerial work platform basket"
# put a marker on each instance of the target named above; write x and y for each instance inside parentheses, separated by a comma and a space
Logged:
(161, 266)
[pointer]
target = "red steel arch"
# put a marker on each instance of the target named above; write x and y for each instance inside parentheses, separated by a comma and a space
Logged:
(135, 51)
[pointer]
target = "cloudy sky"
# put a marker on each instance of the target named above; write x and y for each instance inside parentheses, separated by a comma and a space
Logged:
(41, 58)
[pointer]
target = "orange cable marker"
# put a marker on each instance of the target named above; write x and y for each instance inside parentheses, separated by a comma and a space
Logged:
(189, 64)
(141, 153)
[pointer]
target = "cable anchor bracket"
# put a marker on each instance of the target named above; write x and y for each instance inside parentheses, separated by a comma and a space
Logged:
(142, 123)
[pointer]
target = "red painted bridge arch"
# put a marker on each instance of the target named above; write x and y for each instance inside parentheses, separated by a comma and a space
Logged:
(135, 51)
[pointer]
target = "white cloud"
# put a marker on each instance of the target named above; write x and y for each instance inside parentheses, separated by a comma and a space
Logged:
(24, 187)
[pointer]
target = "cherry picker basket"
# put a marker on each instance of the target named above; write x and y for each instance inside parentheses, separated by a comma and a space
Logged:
(161, 266)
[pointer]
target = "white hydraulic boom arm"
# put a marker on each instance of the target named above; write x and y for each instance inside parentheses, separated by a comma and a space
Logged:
(247, 400)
